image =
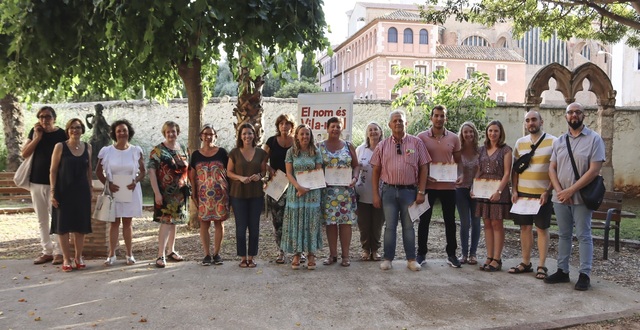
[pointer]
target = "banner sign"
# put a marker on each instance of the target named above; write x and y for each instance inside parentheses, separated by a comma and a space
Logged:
(315, 109)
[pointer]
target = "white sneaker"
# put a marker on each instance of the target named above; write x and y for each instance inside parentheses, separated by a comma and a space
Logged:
(414, 265)
(110, 261)
(131, 260)
(386, 265)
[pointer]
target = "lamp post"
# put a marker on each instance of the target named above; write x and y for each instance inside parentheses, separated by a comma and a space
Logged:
(343, 60)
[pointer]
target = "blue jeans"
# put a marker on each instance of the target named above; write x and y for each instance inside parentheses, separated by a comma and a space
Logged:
(395, 204)
(247, 213)
(568, 216)
(467, 210)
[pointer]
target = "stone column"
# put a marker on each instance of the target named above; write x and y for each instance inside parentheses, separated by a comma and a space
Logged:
(605, 121)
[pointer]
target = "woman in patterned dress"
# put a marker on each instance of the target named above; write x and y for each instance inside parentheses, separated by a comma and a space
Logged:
(339, 202)
(208, 177)
(301, 228)
(494, 163)
(168, 166)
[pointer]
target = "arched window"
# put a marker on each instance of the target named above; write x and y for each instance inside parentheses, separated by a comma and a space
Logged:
(475, 41)
(586, 52)
(393, 35)
(424, 37)
(408, 36)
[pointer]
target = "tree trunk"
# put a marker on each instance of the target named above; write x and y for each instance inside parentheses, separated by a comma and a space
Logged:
(13, 121)
(249, 106)
(192, 79)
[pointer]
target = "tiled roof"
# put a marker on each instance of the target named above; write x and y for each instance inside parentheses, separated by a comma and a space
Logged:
(478, 53)
(388, 5)
(403, 16)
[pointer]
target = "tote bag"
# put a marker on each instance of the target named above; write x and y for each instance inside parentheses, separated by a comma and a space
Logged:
(105, 206)
(21, 177)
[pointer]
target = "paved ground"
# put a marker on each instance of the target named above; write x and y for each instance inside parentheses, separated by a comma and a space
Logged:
(186, 295)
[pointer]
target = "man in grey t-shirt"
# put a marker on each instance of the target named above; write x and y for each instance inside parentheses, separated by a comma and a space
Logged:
(588, 152)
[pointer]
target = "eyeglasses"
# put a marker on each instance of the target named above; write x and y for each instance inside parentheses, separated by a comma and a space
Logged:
(75, 127)
(574, 112)
(47, 117)
(398, 149)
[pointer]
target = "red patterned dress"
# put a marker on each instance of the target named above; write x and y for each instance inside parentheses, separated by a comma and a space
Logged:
(171, 172)
(211, 185)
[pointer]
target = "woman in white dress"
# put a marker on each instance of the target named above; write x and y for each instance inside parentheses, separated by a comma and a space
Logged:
(123, 165)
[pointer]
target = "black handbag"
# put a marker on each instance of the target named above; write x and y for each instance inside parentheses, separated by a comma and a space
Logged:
(593, 193)
(522, 163)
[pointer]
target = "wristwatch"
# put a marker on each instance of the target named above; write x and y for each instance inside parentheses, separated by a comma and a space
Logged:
(422, 192)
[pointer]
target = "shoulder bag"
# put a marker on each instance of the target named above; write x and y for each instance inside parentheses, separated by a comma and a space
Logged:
(522, 163)
(593, 193)
(21, 177)
(105, 206)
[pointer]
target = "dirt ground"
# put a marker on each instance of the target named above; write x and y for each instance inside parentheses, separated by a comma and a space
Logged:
(19, 240)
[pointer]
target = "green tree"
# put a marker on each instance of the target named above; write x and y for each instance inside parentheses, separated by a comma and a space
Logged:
(225, 84)
(309, 71)
(294, 88)
(465, 99)
(606, 20)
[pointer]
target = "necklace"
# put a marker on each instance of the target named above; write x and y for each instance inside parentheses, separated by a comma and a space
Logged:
(76, 147)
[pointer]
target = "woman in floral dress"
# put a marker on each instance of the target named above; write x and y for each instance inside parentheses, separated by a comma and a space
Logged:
(208, 177)
(168, 166)
(301, 228)
(339, 202)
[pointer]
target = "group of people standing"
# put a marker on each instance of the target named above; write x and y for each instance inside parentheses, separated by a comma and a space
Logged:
(388, 176)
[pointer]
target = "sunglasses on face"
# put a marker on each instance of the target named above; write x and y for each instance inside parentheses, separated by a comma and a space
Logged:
(398, 148)
(46, 117)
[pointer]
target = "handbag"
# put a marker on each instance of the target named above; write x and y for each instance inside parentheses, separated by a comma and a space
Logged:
(522, 163)
(105, 206)
(21, 177)
(593, 193)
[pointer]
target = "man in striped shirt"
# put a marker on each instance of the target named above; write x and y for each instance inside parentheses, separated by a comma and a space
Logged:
(400, 161)
(533, 182)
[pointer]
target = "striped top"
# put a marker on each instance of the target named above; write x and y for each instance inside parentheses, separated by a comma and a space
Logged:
(400, 169)
(535, 179)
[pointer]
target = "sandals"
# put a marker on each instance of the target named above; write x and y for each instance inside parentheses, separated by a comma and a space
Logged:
(472, 260)
(492, 268)
(280, 259)
(160, 262)
(330, 261)
(311, 264)
(485, 266)
(175, 256)
(375, 256)
(541, 272)
(521, 268)
(346, 262)
(365, 256)
(251, 263)
(243, 263)
(295, 262)
(464, 260)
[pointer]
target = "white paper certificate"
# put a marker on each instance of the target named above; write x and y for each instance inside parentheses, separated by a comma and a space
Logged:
(526, 206)
(313, 179)
(484, 188)
(444, 172)
(123, 195)
(337, 176)
(277, 185)
(416, 210)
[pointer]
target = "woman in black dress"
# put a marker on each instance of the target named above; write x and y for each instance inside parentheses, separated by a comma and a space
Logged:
(71, 186)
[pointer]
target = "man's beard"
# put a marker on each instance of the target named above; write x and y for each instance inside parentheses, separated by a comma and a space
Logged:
(575, 124)
(534, 130)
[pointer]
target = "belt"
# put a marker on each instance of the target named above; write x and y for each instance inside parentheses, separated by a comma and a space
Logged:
(400, 186)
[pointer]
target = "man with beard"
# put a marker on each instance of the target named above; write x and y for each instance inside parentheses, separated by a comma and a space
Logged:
(533, 182)
(444, 148)
(588, 152)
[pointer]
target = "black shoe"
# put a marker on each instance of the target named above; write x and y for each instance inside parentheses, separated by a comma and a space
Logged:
(583, 283)
(206, 261)
(558, 277)
(454, 262)
(217, 260)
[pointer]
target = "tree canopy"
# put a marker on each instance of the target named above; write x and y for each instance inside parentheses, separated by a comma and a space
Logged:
(609, 21)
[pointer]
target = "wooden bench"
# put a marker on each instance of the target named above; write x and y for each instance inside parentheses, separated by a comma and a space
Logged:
(608, 217)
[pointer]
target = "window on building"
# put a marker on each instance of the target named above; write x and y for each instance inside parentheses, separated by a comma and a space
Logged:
(501, 75)
(422, 69)
(424, 37)
(586, 52)
(366, 75)
(638, 61)
(470, 71)
(439, 67)
(394, 69)
(475, 41)
(408, 36)
(394, 96)
(500, 99)
(393, 35)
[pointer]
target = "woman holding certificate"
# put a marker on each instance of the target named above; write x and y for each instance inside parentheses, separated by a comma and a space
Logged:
(276, 148)
(122, 165)
(246, 167)
(301, 228)
(494, 167)
(338, 198)
(466, 205)
(370, 219)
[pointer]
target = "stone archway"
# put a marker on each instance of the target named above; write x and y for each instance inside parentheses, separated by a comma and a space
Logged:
(569, 83)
